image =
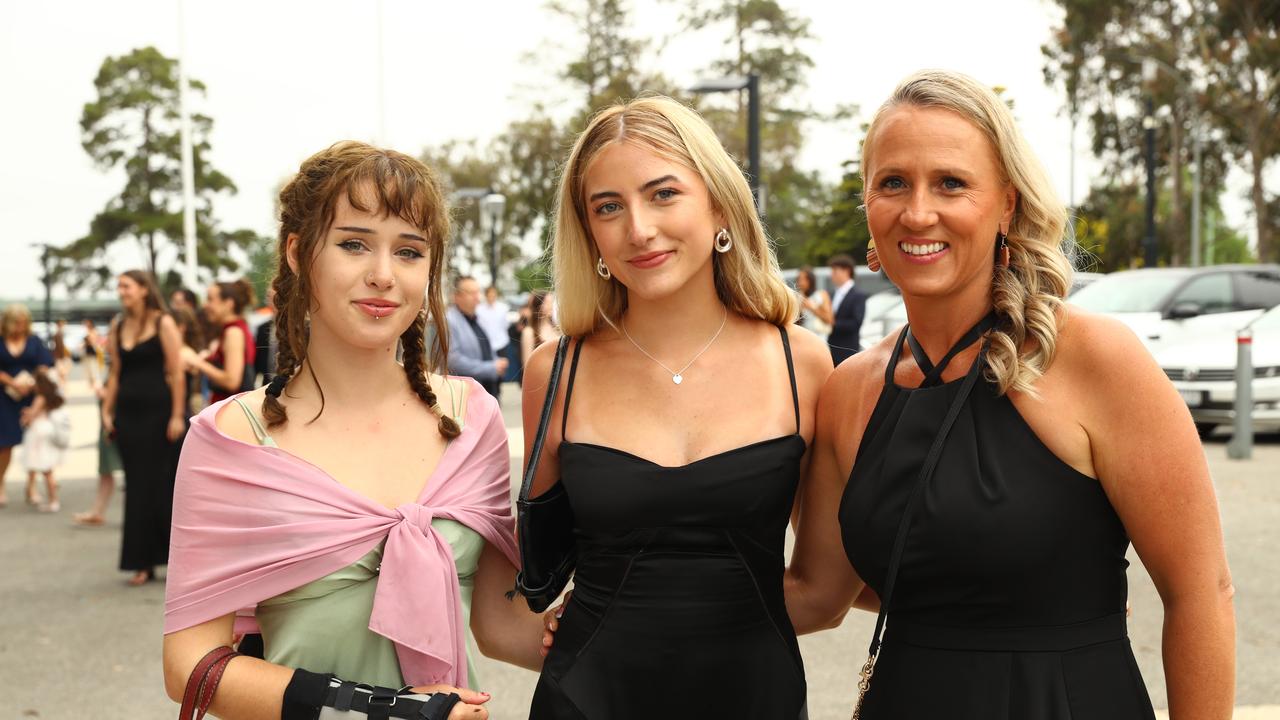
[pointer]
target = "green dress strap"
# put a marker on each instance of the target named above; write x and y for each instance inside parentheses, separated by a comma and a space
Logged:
(259, 431)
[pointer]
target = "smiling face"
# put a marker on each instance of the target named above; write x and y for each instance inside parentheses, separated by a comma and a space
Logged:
(936, 197)
(131, 293)
(651, 220)
(369, 276)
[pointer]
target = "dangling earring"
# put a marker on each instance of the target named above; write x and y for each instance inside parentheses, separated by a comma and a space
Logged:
(603, 270)
(724, 243)
(873, 258)
(1002, 249)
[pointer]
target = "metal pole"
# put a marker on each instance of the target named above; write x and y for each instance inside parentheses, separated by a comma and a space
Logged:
(1195, 199)
(1149, 242)
(1241, 445)
(48, 296)
(188, 162)
(493, 252)
(753, 135)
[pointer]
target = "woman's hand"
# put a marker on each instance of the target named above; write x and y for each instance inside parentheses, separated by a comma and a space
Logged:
(468, 709)
(189, 358)
(177, 426)
(551, 621)
(108, 424)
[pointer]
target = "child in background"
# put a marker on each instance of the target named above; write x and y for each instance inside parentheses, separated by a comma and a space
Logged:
(47, 437)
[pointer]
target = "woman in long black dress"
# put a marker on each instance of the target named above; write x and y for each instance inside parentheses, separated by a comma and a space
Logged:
(681, 430)
(143, 407)
(992, 461)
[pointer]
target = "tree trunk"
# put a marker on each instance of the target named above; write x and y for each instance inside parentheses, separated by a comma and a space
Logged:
(1259, 196)
(1177, 227)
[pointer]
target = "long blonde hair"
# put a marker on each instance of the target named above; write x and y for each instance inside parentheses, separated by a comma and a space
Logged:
(747, 278)
(1029, 292)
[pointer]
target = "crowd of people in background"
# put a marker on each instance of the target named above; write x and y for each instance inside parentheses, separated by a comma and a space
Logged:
(156, 365)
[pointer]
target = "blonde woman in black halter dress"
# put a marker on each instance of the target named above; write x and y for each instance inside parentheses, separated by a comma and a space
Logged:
(679, 431)
(985, 469)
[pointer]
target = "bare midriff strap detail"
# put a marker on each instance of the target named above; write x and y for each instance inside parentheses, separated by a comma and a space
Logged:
(259, 431)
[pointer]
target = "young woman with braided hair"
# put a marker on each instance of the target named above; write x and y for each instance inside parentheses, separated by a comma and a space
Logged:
(353, 509)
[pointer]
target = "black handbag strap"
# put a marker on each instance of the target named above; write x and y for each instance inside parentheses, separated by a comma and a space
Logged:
(930, 462)
(553, 382)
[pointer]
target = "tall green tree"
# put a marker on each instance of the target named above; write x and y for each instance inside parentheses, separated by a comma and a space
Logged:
(132, 125)
(1244, 97)
(766, 38)
(608, 61)
(841, 225)
(1215, 75)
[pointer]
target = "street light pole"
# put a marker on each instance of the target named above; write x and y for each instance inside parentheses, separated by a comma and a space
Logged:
(1149, 241)
(491, 207)
(750, 83)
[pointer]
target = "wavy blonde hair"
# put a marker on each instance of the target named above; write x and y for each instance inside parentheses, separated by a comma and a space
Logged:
(747, 278)
(1029, 292)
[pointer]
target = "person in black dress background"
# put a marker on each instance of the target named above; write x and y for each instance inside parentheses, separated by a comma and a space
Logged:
(145, 410)
(679, 430)
(1053, 437)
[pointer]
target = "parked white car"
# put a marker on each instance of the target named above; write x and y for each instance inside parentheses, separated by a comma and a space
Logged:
(1203, 369)
(1166, 305)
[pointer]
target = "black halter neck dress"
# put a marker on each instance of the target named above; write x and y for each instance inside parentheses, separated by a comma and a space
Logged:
(1009, 600)
(677, 606)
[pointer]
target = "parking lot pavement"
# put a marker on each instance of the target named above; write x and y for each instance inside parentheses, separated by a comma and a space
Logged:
(70, 628)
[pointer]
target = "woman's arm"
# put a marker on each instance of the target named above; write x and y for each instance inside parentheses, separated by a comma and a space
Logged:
(230, 376)
(175, 375)
(534, 392)
(820, 584)
(505, 630)
(822, 306)
(253, 689)
(1152, 466)
(526, 345)
(113, 378)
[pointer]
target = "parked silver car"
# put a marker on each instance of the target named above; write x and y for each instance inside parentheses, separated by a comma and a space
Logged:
(1203, 369)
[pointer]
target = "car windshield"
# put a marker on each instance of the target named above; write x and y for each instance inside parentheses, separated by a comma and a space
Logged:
(1270, 320)
(1126, 292)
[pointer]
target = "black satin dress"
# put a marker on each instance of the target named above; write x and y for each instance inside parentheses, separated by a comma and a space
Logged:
(143, 407)
(677, 598)
(1010, 596)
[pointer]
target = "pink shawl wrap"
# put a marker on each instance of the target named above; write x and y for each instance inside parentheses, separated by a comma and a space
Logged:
(251, 522)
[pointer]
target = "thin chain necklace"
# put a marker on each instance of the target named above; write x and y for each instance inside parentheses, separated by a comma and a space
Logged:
(677, 376)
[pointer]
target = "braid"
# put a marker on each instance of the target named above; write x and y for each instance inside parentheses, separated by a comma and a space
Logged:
(290, 329)
(415, 368)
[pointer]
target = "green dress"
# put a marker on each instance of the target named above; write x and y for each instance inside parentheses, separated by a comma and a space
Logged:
(323, 626)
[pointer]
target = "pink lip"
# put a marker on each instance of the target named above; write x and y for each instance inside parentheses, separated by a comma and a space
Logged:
(376, 307)
(921, 259)
(651, 260)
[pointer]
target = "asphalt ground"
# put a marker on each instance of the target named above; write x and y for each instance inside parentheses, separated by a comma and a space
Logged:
(76, 641)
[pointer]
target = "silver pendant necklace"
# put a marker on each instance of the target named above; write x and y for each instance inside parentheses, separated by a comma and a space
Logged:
(677, 376)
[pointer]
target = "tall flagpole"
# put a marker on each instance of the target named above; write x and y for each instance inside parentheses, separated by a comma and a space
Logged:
(188, 163)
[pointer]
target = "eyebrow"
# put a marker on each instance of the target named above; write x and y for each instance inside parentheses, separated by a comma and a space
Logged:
(367, 231)
(652, 183)
(936, 171)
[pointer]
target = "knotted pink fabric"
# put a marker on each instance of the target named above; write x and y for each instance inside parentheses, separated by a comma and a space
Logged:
(251, 522)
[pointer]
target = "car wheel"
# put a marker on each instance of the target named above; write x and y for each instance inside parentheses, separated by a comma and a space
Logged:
(1205, 430)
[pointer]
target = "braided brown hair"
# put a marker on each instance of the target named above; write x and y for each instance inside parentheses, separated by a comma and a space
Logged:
(401, 186)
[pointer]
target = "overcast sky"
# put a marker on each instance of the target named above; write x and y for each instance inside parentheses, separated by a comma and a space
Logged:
(288, 77)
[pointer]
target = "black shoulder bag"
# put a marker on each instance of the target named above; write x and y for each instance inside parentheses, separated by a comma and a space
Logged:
(548, 551)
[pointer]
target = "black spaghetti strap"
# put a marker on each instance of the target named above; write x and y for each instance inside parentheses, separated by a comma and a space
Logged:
(893, 358)
(922, 357)
(791, 373)
(568, 391)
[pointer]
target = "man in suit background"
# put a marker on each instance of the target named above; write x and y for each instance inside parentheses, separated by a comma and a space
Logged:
(848, 305)
(470, 352)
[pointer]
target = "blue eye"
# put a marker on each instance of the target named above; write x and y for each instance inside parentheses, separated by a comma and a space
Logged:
(892, 183)
(607, 208)
(410, 253)
(952, 183)
(666, 194)
(351, 245)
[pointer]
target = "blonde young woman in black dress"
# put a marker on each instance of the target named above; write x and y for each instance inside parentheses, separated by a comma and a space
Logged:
(680, 430)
